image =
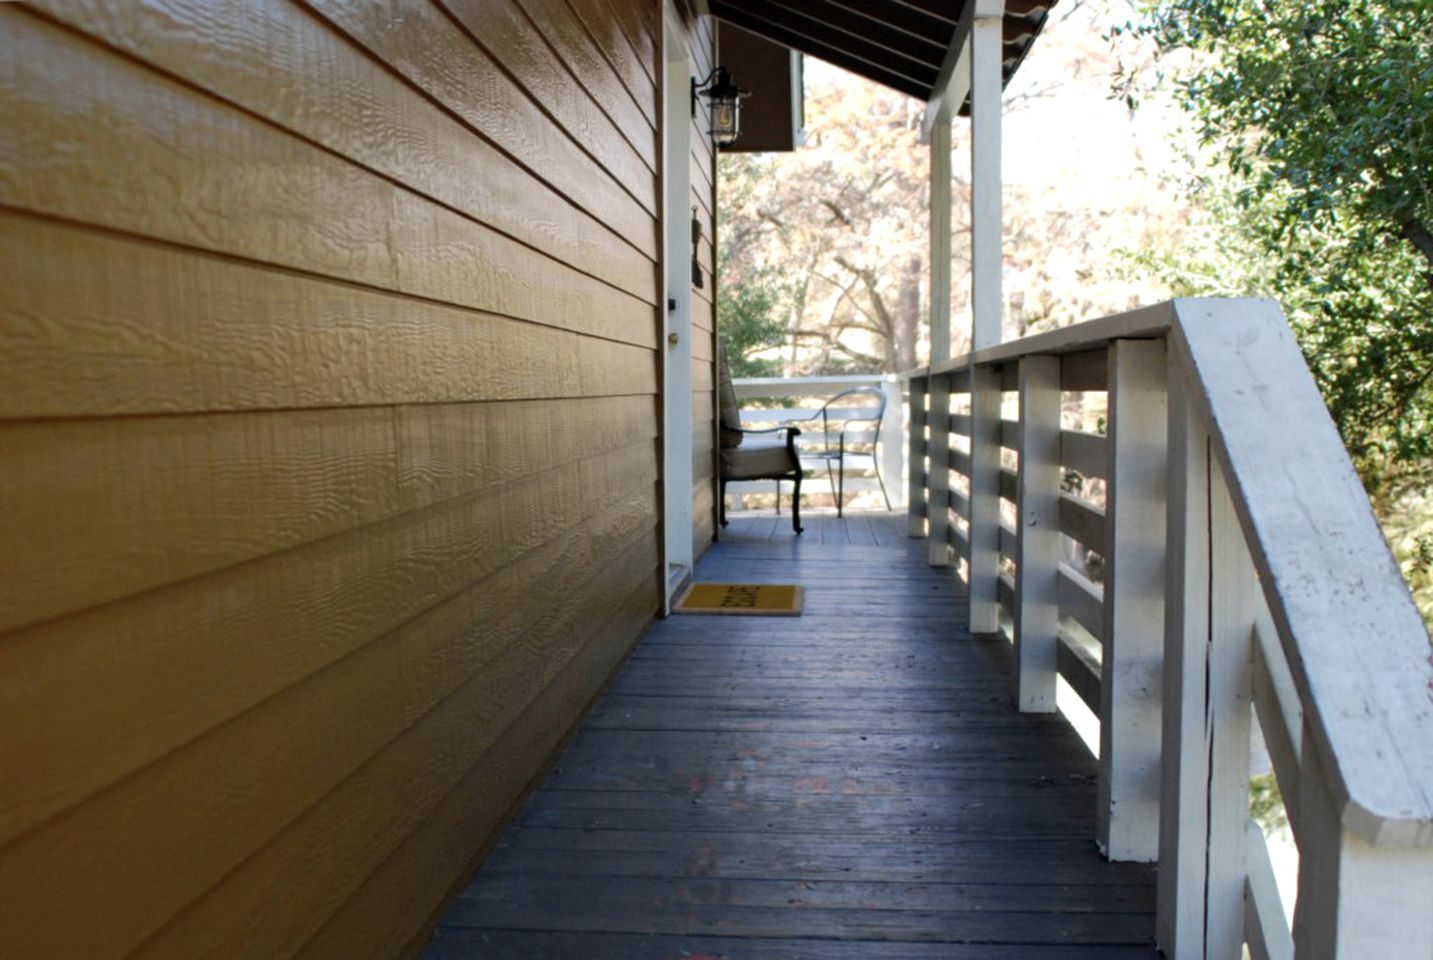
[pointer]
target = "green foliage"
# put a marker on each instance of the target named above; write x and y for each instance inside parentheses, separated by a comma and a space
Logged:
(1266, 803)
(749, 321)
(1322, 114)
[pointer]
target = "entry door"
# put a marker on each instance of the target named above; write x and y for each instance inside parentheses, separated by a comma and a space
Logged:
(677, 267)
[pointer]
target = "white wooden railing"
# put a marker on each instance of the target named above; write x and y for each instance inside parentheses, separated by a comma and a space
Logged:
(1242, 568)
(812, 391)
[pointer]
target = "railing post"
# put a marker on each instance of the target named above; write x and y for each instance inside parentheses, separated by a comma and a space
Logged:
(892, 449)
(983, 556)
(1355, 899)
(937, 485)
(1211, 593)
(916, 470)
(1127, 814)
(1233, 595)
(1184, 765)
(1037, 538)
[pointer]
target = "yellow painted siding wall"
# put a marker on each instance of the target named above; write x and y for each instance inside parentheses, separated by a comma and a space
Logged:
(328, 414)
(704, 439)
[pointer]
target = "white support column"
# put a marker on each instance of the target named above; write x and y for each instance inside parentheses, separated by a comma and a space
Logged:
(983, 557)
(940, 193)
(1127, 815)
(915, 459)
(1184, 765)
(1233, 601)
(1355, 899)
(938, 476)
(1037, 538)
(986, 80)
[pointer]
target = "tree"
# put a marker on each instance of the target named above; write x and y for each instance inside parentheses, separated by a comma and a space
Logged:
(1321, 112)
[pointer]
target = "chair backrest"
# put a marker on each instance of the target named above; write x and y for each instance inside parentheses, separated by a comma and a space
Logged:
(852, 406)
(728, 411)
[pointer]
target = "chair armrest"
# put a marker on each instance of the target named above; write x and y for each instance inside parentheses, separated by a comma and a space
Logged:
(794, 431)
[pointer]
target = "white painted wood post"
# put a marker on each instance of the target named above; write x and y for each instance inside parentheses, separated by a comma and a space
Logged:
(915, 459)
(986, 307)
(1127, 814)
(1037, 537)
(937, 483)
(1355, 899)
(892, 448)
(1233, 604)
(938, 447)
(986, 262)
(983, 552)
(1184, 751)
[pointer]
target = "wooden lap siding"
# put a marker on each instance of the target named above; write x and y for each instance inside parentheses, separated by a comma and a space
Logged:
(328, 419)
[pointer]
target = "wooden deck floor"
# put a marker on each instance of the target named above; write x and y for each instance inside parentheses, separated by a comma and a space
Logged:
(848, 784)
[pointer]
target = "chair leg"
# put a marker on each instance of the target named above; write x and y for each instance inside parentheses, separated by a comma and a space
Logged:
(841, 495)
(831, 479)
(778, 498)
(796, 505)
(721, 504)
(876, 465)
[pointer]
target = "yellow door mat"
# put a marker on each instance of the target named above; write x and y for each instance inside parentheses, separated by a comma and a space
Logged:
(759, 599)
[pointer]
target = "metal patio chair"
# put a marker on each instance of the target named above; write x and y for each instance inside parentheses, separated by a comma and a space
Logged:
(754, 454)
(836, 446)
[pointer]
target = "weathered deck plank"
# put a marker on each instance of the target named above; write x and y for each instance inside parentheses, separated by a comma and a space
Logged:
(848, 784)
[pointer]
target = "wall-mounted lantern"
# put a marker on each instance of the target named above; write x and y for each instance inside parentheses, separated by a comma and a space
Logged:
(724, 97)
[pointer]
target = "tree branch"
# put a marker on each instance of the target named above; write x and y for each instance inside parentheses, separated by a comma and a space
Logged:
(1417, 234)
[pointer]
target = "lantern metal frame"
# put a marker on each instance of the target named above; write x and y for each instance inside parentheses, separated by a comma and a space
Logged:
(719, 89)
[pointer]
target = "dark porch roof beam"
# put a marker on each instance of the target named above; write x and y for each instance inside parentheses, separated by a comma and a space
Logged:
(948, 10)
(841, 58)
(932, 31)
(891, 50)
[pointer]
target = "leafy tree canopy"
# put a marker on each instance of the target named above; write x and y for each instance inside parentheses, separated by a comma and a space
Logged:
(1323, 113)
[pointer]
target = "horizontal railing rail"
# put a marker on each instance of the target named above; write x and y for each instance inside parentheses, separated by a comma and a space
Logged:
(798, 398)
(1197, 559)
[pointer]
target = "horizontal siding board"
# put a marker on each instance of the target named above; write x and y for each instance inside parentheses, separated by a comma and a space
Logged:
(604, 25)
(254, 53)
(450, 450)
(624, 144)
(294, 206)
(640, 23)
(97, 324)
(106, 508)
(325, 855)
(572, 39)
(282, 758)
(422, 870)
(119, 686)
(453, 70)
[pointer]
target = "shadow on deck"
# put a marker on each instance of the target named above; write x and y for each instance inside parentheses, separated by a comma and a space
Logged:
(852, 783)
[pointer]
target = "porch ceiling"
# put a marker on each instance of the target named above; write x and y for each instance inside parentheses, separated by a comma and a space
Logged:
(902, 44)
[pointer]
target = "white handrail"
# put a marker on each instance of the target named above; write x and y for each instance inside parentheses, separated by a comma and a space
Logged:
(1349, 628)
(1235, 516)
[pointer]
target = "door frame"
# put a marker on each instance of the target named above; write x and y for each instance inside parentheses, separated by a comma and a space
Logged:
(675, 308)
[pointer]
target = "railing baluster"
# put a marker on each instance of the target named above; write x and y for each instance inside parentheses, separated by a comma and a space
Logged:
(1233, 601)
(1037, 539)
(916, 469)
(938, 476)
(983, 560)
(892, 449)
(1127, 815)
(1184, 763)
